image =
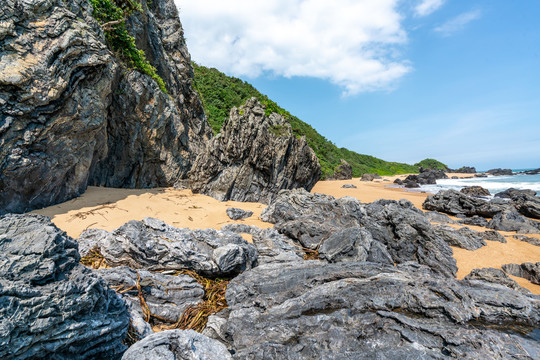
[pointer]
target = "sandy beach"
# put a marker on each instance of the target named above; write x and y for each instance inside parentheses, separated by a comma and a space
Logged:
(107, 208)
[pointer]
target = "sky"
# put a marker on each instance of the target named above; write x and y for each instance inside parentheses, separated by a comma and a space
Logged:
(402, 80)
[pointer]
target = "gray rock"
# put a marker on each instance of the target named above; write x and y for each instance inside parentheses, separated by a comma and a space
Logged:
(370, 177)
(530, 240)
(464, 238)
(151, 244)
(454, 203)
(475, 221)
(495, 276)
(238, 214)
(509, 220)
(50, 305)
(343, 171)
(253, 158)
(529, 271)
(477, 191)
(349, 186)
(511, 192)
(500, 172)
(426, 177)
(493, 236)
(306, 310)
(166, 296)
(527, 205)
(436, 217)
(464, 170)
(178, 345)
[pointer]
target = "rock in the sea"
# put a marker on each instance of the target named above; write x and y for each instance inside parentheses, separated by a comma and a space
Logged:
(529, 271)
(509, 220)
(370, 177)
(475, 221)
(532, 172)
(455, 203)
(177, 345)
(72, 114)
(464, 238)
(351, 310)
(475, 191)
(151, 244)
(342, 172)
(495, 276)
(500, 172)
(511, 192)
(349, 186)
(238, 214)
(480, 175)
(51, 306)
(253, 158)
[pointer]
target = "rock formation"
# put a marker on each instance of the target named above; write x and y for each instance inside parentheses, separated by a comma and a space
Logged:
(477, 191)
(342, 172)
(253, 157)
(464, 238)
(238, 214)
(370, 177)
(51, 306)
(456, 203)
(495, 276)
(500, 172)
(463, 170)
(529, 271)
(71, 114)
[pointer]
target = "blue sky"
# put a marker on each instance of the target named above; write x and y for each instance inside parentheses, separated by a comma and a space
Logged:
(455, 80)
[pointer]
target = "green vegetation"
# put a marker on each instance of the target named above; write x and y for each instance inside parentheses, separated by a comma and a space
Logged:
(431, 164)
(220, 93)
(112, 14)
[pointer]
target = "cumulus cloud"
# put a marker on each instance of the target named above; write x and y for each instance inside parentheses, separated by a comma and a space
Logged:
(426, 7)
(458, 23)
(352, 43)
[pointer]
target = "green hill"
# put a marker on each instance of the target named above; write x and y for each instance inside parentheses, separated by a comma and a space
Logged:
(220, 93)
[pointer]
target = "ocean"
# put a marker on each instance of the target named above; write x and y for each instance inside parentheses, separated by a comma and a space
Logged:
(494, 184)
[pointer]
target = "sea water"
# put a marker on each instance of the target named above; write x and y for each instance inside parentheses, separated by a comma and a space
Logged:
(494, 184)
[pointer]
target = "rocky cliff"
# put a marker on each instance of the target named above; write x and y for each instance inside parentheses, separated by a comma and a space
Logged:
(73, 114)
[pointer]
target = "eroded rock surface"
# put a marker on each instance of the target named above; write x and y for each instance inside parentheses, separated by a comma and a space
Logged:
(509, 220)
(238, 214)
(455, 203)
(464, 238)
(477, 191)
(529, 271)
(495, 276)
(50, 305)
(343, 171)
(253, 158)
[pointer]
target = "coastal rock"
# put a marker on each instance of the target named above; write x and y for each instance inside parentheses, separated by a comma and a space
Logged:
(500, 172)
(349, 186)
(409, 184)
(71, 114)
(493, 236)
(455, 203)
(370, 177)
(477, 191)
(527, 205)
(464, 238)
(532, 172)
(428, 177)
(166, 296)
(509, 220)
(480, 175)
(342, 172)
(52, 306)
(475, 221)
(309, 309)
(495, 276)
(464, 170)
(398, 181)
(509, 193)
(178, 345)
(152, 245)
(530, 240)
(436, 217)
(254, 157)
(238, 214)
(529, 271)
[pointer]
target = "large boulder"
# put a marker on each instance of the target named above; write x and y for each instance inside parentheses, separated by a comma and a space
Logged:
(527, 205)
(456, 203)
(151, 244)
(254, 157)
(71, 114)
(342, 172)
(500, 172)
(510, 220)
(477, 191)
(52, 307)
(427, 177)
(307, 310)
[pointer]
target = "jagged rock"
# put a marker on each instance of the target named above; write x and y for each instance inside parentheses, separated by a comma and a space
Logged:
(238, 214)
(309, 309)
(311, 219)
(50, 305)
(475, 191)
(475, 221)
(480, 175)
(529, 271)
(428, 177)
(500, 172)
(509, 220)
(527, 205)
(532, 172)
(370, 177)
(464, 170)
(436, 217)
(509, 193)
(495, 276)
(411, 184)
(166, 296)
(71, 114)
(349, 186)
(343, 171)
(253, 158)
(530, 240)
(178, 345)
(464, 238)
(493, 236)
(271, 245)
(151, 244)
(455, 203)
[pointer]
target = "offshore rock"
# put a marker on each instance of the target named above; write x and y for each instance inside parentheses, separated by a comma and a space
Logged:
(455, 203)
(238, 214)
(529, 271)
(71, 114)
(253, 158)
(343, 171)
(309, 309)
(152, 245)
(50, 305)
(464, 238)
(495, 276)
(178, 345)
(500, 172)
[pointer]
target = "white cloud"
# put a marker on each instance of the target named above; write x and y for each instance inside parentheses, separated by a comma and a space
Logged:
(352, 43)
(426, 7)
(458, 23)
